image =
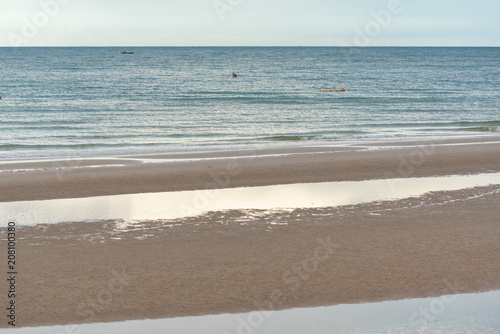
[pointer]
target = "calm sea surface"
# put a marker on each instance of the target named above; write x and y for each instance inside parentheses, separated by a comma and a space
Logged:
(96, 101)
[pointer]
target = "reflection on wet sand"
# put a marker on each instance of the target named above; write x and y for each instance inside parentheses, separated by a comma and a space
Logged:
(171, 205)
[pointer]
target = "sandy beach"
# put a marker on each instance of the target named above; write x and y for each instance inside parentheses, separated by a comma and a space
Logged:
(70, 179)
(241, 260)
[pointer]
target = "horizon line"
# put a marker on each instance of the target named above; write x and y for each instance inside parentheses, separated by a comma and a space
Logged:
(250, 46)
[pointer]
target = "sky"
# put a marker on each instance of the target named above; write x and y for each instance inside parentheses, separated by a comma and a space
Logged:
(249, 23)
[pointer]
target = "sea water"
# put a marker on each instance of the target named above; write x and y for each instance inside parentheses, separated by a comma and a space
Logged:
(63, 102)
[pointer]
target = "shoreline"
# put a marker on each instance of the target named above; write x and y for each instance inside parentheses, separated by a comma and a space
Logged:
(299, 147)
(161, 173)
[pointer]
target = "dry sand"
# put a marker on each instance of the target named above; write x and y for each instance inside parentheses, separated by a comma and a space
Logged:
(235, 261)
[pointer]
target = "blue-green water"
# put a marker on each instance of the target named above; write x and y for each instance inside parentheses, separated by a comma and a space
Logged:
(96, 101)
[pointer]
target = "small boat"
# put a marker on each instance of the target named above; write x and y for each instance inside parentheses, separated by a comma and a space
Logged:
(234, 75)
(127, 52)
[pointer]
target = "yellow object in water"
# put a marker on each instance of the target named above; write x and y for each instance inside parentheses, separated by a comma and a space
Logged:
(330, 90)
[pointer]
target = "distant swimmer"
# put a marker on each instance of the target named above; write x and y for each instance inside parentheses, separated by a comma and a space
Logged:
(234, 75)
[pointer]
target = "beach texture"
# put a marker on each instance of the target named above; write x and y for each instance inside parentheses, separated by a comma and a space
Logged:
(244, 260)
(70, 178)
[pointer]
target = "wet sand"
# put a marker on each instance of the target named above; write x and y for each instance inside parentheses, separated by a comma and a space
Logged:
(237, 261)
(73, 178)
(243, 260)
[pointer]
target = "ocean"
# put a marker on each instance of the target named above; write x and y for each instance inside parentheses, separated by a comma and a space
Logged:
(95, 101)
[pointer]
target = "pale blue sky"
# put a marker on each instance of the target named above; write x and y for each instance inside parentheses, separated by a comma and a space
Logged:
(249, 22)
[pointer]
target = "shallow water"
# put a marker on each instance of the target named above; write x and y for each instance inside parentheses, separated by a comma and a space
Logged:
(467, 313)
(190, 203)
